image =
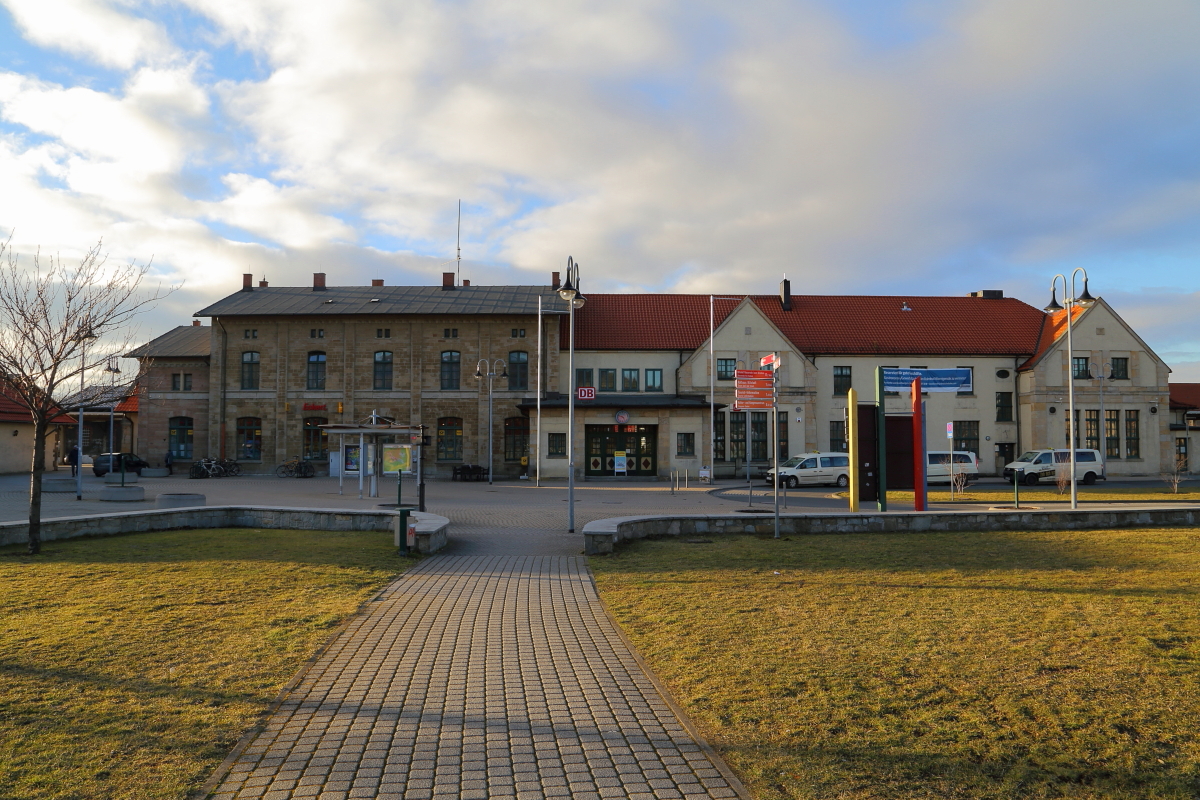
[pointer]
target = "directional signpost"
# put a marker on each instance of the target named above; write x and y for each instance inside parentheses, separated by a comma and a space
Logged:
(755, 390)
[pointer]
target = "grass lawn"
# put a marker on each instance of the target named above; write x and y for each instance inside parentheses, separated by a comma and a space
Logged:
(130, 665)
(995, 493)
(947, 665)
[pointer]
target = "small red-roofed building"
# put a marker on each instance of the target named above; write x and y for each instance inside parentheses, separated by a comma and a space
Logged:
(16, 435)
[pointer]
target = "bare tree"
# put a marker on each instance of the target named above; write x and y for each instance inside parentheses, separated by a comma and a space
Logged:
(1177, 474)
(48, 314)
(1062, 479)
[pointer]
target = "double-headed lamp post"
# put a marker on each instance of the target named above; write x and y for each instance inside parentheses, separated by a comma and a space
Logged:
(113, 370)
(575, 299)
(1072, 299)
(84, 336)
(490, 366)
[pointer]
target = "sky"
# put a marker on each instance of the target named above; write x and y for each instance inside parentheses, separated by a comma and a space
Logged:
(856, 146)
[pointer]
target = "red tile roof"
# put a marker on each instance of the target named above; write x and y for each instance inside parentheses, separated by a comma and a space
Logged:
(1185, 395)
(12, 409)
(1052, 328)
(818, 324)
(130, 404)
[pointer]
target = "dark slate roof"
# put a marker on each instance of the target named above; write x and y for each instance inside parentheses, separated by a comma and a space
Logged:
(184, 341)
(340, 300)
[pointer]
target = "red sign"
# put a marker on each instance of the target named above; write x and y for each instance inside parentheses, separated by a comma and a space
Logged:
(314, 406)
(752, 374)
(759, 393)
(768, 360)
(754, 384)
(740, 404)
(586, 393)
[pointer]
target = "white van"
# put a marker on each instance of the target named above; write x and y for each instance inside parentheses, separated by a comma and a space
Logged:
(937, 467)
(812, 469)
(1043, 465)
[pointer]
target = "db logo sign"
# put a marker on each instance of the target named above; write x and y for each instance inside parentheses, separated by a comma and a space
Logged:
(586, 393)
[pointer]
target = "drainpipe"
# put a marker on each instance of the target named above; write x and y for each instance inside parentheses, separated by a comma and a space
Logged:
(1016, 406)
(224, 366)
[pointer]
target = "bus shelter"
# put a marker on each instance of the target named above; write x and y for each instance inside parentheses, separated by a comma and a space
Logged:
(375, 447)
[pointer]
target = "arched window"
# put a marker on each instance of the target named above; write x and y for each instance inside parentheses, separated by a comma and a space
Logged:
(516, 438)
(449, 439)
(249, 439)
(180, 432)
(250, 370)
(383, 369)
(316, 439)
(518, 370)
(451, 369)
(316, 370)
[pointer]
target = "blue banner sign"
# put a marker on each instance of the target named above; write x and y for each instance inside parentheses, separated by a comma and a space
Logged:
(932, 380)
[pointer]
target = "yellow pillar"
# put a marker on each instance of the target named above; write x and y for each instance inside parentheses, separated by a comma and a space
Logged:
(852, 441)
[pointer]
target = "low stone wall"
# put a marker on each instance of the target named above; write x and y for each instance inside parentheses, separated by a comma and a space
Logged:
(431, 528)
(603, 535)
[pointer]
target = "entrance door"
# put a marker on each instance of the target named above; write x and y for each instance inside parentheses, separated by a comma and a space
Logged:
(1005, 453)
(638, 442)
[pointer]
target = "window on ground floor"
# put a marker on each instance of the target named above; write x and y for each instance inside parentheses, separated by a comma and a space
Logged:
(249, 439)
(516, 438)
(556, 445)
(759, 435)
(837, 436)
(315, 439)
(966, 435)
(1133, 435)
(685, 444)
(180, 431)
(450, 439)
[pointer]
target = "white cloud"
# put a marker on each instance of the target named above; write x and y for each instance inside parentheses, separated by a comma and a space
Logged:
(284, 215)
(92, 30)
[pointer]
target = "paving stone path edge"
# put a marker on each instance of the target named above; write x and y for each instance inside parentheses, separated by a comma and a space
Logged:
(209, 786)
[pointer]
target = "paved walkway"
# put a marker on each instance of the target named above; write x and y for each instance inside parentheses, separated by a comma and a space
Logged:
(478, 677)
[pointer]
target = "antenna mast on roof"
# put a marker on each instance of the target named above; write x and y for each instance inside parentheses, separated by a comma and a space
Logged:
(458, 246)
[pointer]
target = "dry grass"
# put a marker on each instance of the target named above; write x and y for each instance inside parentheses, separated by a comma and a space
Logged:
(997, 665)
(131, 665)
(999, 495)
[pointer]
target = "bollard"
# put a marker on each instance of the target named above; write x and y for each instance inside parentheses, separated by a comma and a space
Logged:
(405, 530)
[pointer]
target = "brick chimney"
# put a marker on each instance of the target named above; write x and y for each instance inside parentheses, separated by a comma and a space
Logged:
(554, 282)
(785, 294)
(466, 282)
(377, 281)
(318, 282)
(195, 323)
(262, 284)
(447, 281)
(247, 282)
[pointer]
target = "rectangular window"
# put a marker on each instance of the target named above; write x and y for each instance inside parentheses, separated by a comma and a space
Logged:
(629, 380)
(1181, 455)
(583, 377)
(719, 437)
(249, 439)
(556, 446)
(451, 373)
(837, 436)
(518, 333)
(383, 333)
(1120, 369)
(176, 381)
(518, 370)
(654, 380)
(1112, 434)
(316, 439)
(316, 370)
(783, 436)
(1004, 407)
(1079, 368)
(383, 370)
(608, 380)
(685, 444)
(969, 389)
(737, 435)
(1091, 429)
(966, 435)
(1133, 435)
(841, 381)
(251, 333)
(450, 333)
(316, 333)
(187, 381)
(449, 439)
(1067, 423)
(759, 446)
(726, 367)
(180, 434)
(250, 370)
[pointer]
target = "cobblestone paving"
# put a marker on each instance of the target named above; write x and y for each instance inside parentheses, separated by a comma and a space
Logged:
(477, 677)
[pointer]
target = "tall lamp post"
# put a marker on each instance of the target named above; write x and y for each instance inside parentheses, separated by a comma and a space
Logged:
(113, 370)
(575, 299)
(1084, 300)
(491, 376)
(84, 336)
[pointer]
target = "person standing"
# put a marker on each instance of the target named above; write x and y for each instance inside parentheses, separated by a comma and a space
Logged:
(167, 463)
(73, 460)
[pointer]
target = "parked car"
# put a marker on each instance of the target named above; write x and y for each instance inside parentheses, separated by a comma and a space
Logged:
(1039, 465)
(937, 467)
(111, 462)
(812, 469)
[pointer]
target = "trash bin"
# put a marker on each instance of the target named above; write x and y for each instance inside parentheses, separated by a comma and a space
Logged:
(405, 533)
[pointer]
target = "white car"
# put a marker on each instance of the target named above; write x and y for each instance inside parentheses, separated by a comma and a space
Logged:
(812, 469)
(937, 469)
(1039, 465)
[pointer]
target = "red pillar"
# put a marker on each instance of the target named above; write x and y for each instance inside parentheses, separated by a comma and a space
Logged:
(918, 447)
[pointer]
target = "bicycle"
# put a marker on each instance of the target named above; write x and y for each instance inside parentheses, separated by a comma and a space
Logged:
(232, 468)
(295, 468)
(206, 468)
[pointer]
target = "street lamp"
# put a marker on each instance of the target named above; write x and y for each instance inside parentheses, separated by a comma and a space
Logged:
(114, 371)
(491, 375)
(1084, 300)
(84, 336)
(575, 299)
